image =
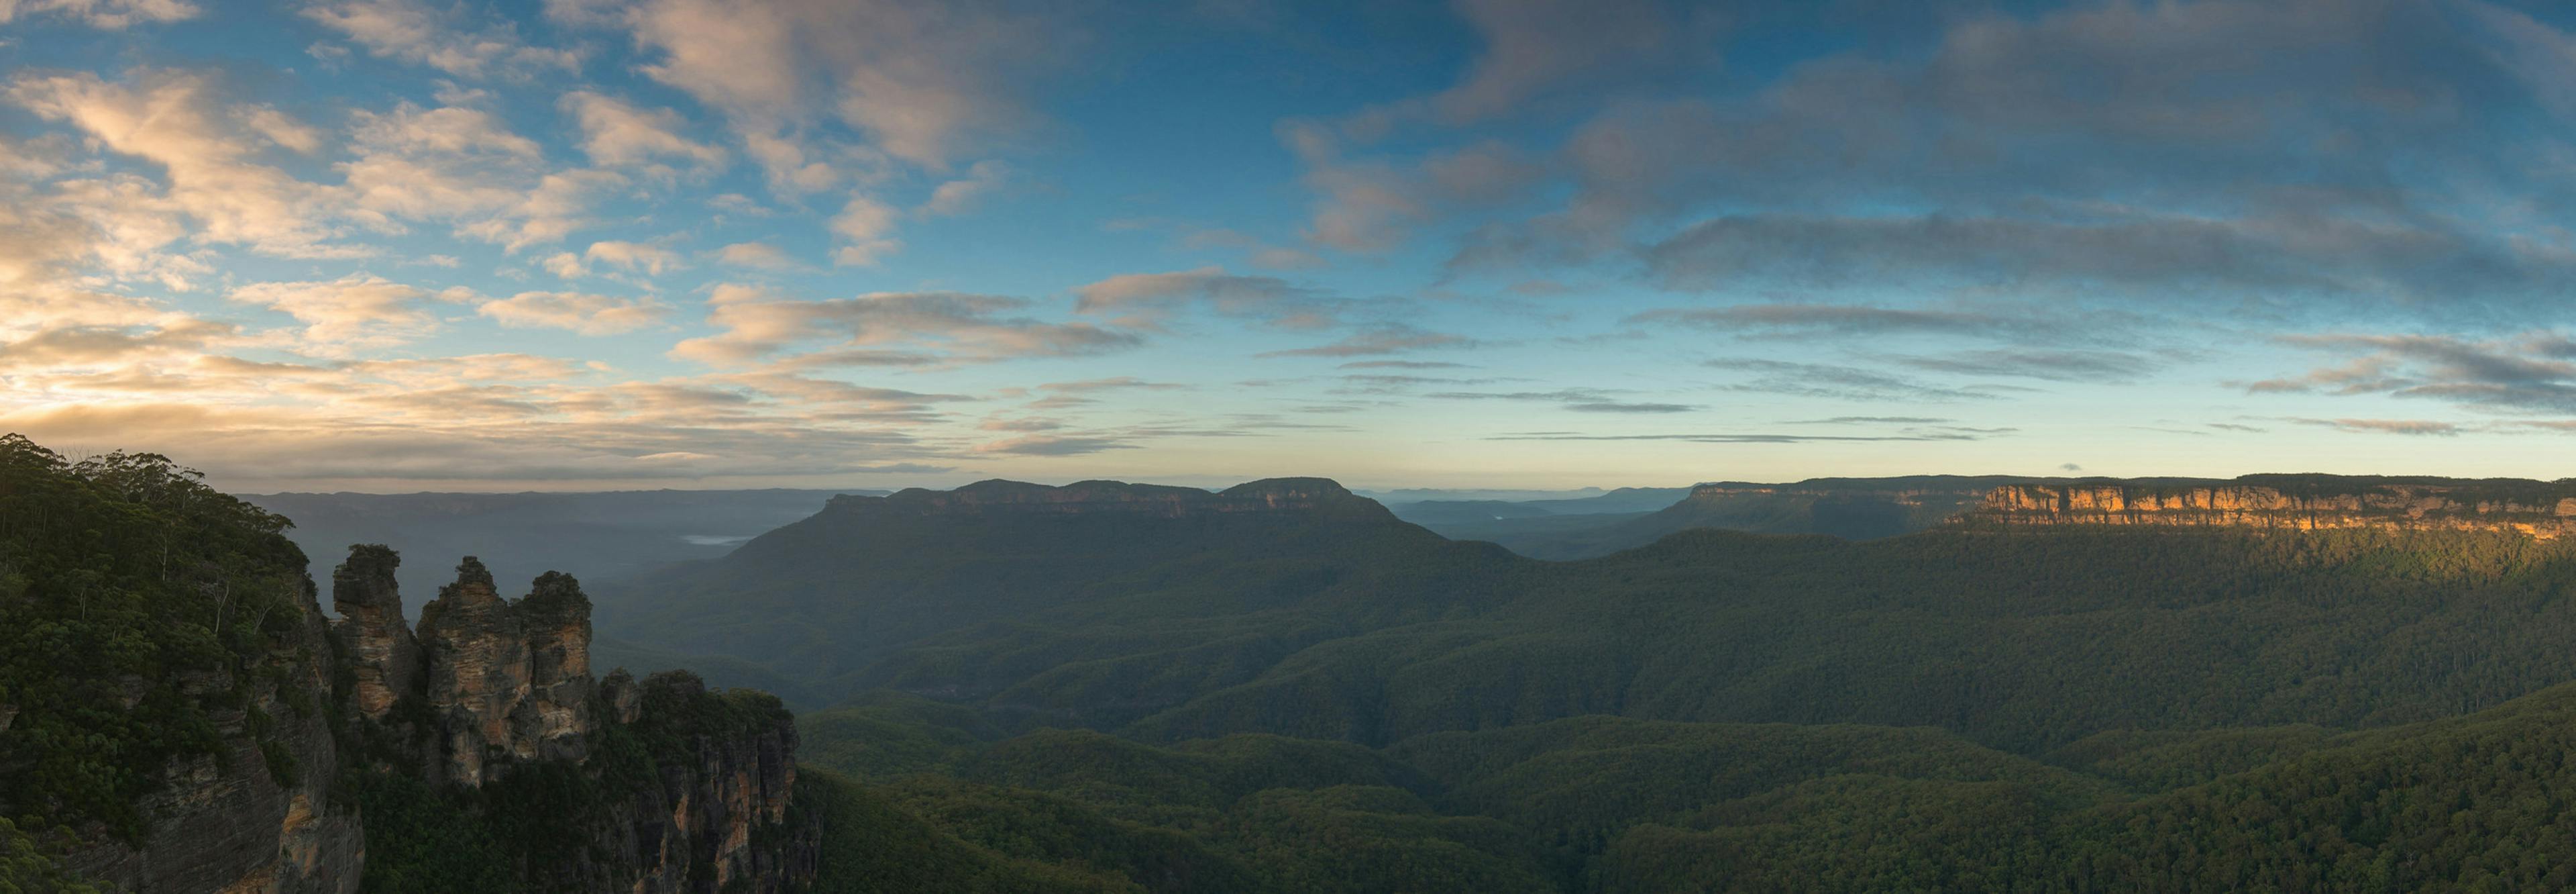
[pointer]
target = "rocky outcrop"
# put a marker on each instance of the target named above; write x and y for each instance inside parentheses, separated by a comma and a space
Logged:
(2292, 503)
(997, 496)
(508, 681)
(696, 803)
(383, 658)
(262, 815)
(721, 815)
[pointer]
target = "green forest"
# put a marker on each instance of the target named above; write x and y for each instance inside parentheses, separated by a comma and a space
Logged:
(1374, 709)
(1334, 700)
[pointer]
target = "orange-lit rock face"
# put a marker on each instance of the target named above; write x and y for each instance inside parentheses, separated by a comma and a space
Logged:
(508, 680)
(2385, 506)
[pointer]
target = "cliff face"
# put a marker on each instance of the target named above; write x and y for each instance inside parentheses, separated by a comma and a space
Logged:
(383, 658)
(255, 818)
(492, 694)
(2528, 508)
(1853, 509)
(507, 680)
(695, 802)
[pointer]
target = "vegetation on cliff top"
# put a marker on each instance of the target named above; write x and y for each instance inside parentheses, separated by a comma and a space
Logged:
(137, 606)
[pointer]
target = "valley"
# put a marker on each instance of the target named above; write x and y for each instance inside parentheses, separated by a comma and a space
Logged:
(2028, 684)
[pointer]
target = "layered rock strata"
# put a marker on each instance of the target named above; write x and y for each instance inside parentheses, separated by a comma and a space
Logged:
(2533, 509)
(256, 818)
(508, 681)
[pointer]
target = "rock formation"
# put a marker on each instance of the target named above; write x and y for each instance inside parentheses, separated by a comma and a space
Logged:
(493, 688)
(507, 680)
(383, 658)
(254, 818)
(508, 686)
(2292, 503)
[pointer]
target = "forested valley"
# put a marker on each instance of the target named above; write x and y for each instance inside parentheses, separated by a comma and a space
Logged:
(1329, 699)
(1281, 687)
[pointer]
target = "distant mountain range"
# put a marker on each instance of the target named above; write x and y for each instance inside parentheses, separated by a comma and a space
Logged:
(2283, 682)
(595, 536)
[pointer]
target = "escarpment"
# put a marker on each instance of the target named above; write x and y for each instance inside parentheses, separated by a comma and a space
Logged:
(259, 812)
(507, 680)
(662, 786)
(2543, 510)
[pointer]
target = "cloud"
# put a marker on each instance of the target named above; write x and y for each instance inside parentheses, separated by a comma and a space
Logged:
(2249, 158)
(77, 344)
(958, 196)
(616, 134)
(2386, 426)
(759, 324)
(632, 256)
(1867, 420)
(352, 311)
(2169, 258)
(560, 204)
(2533, 372)
(415, 33)
(580, 313)
(1148, 299)
(1733, 438)
(760, 255)
(462, 164)
(447, 130)
(1051, 445)
(1531, 45)
(1401, 364)
(1068, 394)
(867, 225)
(1384, 338)
(209, 158)
(917, 80)
(2055, 366)
(106, 14)
(1835, 382)
(1813, 320)
(1373, 206)
(1580, 400)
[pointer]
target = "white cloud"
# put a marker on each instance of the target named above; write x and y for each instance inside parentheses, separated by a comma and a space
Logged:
(415, 33)
(617, 134)
(758, 323)
(634, 256)
(958, 196)
(917, 80)
(176, 121)
(868, 226)
(754, 254)
(108, 14)
(358, 310)
(581, 313)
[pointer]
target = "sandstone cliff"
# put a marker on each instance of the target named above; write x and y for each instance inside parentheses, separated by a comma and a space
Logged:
(262, 814)
(2292, 503)
(656, 786)
(665, 787)
(508, 681)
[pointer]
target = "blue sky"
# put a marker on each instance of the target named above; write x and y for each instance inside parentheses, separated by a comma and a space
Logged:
(396, 245)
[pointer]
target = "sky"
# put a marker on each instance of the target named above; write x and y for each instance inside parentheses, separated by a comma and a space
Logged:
(403, 245)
